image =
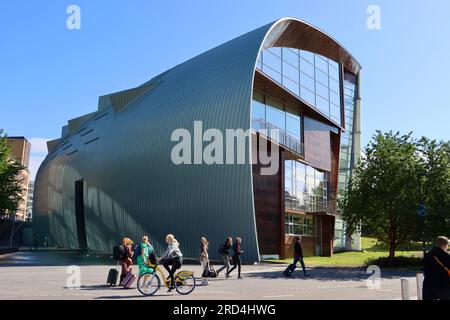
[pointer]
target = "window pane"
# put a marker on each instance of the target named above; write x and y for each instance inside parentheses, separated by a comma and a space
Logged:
(275, 117)
(322, 63)
(307, 95)
(321, 77)
(290, 72)
(291, 56)
(307, 56)
(322, 90)
(307, 68)
(322, 104)
(258, 110)
(293, 125)
(292, 86)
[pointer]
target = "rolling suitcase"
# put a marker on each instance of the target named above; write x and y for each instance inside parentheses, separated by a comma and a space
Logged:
(128, 280)
(289, 270)
(112, 276)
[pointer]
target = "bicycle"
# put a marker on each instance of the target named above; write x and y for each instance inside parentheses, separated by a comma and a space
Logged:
(149, 282)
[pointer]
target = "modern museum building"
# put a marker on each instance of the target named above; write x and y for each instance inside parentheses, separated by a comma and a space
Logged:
(290, 87)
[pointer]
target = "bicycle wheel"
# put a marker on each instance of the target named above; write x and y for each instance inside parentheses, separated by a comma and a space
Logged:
(148, 283)
(185, 286)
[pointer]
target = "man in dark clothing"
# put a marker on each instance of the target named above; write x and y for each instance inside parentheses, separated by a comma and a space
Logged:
(436, 263)
(224, 252)
(298, 254)
(237, 257)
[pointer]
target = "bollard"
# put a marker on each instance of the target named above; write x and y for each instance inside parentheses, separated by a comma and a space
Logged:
(419, 279)
(405, 289)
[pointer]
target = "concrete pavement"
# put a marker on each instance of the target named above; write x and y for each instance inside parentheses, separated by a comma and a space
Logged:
(34, 276)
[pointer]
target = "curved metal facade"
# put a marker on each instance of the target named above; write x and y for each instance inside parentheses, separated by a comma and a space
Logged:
(122, 153)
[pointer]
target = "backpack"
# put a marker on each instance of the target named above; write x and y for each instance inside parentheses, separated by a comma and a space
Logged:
(118, 252)
(137, 250)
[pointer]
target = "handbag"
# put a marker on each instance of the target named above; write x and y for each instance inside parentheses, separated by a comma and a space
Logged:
(209, 272)
(438, 261)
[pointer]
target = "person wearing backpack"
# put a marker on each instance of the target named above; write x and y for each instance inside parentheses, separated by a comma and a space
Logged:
(236, 257)
(171, 257)
(142, 252)
(224, 250)
(125, 259)
(436, 272)
(204, 258)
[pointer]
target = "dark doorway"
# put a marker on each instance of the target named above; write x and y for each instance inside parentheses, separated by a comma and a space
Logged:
(79, 214)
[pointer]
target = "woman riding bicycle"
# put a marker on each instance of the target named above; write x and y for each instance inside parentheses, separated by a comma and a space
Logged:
(171, 257)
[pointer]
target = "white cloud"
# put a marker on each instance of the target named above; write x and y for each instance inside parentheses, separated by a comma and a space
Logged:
(33, 166)
(37, 154)
(38, 145)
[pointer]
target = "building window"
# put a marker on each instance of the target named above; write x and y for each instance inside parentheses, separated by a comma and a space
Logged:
(269, 114)
(310, 76)
(345, 167)
(301, 225)
(306, 189)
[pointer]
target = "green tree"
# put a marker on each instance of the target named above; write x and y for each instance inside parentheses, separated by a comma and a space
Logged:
(10, 187)
(384, 193)
(435, 188)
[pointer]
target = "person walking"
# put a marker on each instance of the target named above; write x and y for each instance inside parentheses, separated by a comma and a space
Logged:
(126, 261)
(436, 271)
(204, 258)
(172, 257)
(298, 254)
(142, 251)
(224, 250)
(236, 257)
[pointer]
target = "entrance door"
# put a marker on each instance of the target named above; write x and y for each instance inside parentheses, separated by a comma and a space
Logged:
(79, 214)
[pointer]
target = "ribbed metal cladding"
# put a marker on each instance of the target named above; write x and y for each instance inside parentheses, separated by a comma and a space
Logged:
(131, 186)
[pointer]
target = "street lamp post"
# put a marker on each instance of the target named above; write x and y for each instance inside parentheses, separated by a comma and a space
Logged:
(12, 231)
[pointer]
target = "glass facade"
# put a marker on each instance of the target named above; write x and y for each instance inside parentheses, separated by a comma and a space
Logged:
(268, 114)
(301, 225)
(346, 160)
(306, 189)
(310, 76)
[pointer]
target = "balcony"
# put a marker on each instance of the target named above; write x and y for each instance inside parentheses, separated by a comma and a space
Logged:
(278, 135)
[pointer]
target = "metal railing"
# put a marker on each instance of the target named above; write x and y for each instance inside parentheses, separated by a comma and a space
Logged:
(294, 204)
(278, 135)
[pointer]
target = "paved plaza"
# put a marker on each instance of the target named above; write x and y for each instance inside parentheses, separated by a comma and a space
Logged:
(44, 275)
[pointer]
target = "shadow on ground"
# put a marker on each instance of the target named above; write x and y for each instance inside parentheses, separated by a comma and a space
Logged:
(331, 274)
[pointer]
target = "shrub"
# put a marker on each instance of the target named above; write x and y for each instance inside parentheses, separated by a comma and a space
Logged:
(398, 262)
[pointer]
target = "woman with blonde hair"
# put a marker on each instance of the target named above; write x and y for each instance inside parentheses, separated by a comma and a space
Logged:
(204, 258)
(126, 261)
(171, 257)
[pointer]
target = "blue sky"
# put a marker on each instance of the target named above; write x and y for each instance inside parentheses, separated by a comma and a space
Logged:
(49, 74)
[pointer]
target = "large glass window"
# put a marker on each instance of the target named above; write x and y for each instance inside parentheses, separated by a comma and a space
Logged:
(269, 114)
(301, 225)
(306, 187)
(347, 136)
(312, 77)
